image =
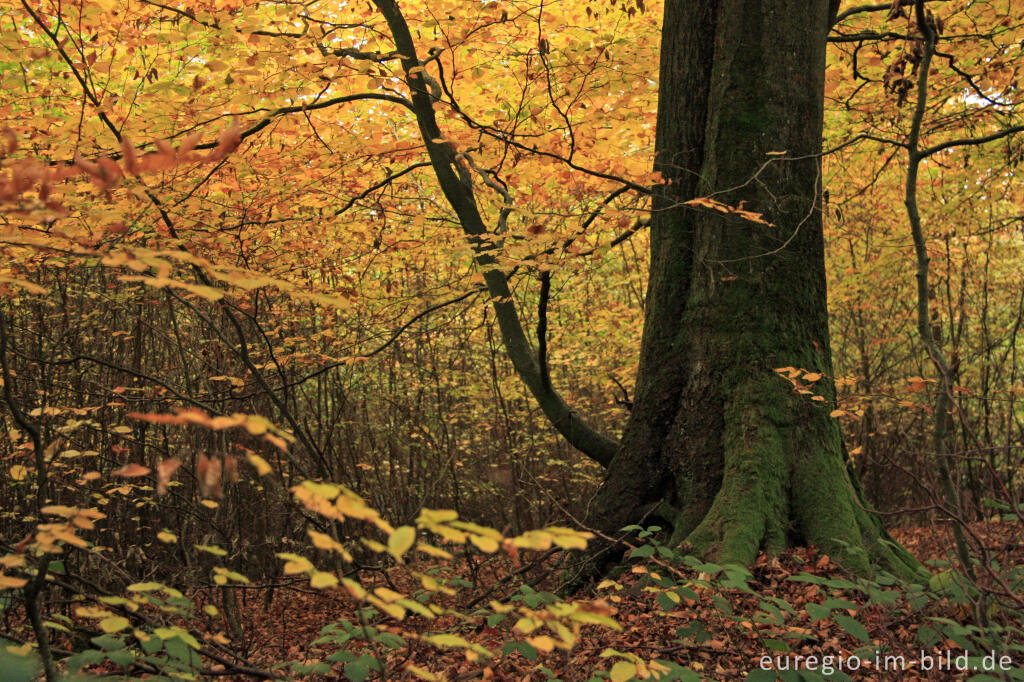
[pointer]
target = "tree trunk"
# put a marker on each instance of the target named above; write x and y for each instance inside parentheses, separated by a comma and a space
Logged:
(718, 444)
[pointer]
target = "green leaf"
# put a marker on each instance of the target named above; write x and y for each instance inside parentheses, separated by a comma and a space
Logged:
(18, 668)
(122, 657)
(665, 600)
(108, 642)
(357, 670)
(760, 675)
(151, 645)
(178, 650)
(390, 639)
(527, 650)
(642, 552)
(817, 611)
(82, 659)
(341, 656)
(853, 627)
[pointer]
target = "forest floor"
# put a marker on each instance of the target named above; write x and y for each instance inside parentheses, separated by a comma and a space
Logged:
(723, 634)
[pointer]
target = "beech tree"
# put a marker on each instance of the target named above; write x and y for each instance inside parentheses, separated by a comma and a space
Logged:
(738, 460)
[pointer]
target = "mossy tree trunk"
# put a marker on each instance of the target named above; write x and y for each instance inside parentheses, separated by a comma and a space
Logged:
(743, 462)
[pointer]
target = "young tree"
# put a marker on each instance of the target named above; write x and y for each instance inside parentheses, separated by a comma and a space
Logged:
(717, 443)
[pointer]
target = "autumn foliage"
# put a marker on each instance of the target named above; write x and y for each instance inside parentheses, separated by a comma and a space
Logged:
(251, 372)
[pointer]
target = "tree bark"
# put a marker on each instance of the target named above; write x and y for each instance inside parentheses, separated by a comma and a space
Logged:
(718, 444)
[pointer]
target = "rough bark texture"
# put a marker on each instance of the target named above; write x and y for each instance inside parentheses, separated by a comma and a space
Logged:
(717, 443)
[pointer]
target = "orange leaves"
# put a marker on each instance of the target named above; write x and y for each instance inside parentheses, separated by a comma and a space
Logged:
(211, 472)
(226, 143)
(739, 211)
(26, 175)
(254, 424)
(801, 384)
(10, 143)
(164, 471)
(130, 157)
(131, 470)
(208, 472)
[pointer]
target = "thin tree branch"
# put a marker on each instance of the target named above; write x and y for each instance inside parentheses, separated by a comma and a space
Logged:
(542, 328)
(453, 172)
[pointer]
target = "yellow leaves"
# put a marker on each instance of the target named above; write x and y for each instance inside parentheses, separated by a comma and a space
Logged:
(484, 543)
(212, 549)
(598, 618)
(321, 579)
(258, 463)
(9, 582)
(354, 507)
(17, 472)
(456, 642)
(401, 540)
(431, 584)
(790, 372)
(326, 542)
(144, 587)
(222, 575)
(353, 588)
(92, 612)
(396, 611)
(49, 534)
(387, 594)
(526, 625)
(27, 286)
(431, 550)
(566, 538)
(327, 491)
(622, 671)
(421, 673)
(114, 624)
(203, 291)
(176, 632)
(12, 560)
(631, 666)
(295, 563)
(59, 510)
